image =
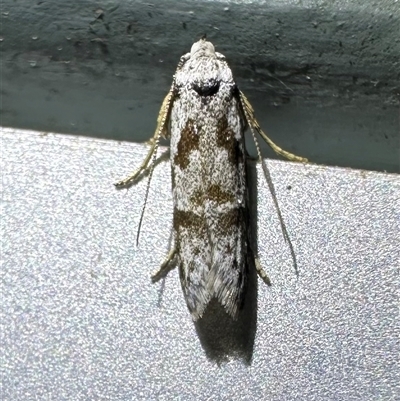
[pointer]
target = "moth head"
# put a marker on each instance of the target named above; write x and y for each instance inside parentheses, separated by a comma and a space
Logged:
(202, 48)
(203, 71)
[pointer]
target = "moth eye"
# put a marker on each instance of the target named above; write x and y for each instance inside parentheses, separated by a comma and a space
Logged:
(204, 89)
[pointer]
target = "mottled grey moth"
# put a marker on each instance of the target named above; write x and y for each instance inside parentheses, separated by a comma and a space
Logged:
(205, 116)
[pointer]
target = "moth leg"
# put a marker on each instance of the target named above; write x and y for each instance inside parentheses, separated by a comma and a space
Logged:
(132, 177)
(261, 272)
(165, 265)
(161, 130)
(254, 126)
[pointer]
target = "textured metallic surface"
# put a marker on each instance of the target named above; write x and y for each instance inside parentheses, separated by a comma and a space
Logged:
(81, 320)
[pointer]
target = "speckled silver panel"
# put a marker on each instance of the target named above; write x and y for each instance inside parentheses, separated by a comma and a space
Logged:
(80, 319)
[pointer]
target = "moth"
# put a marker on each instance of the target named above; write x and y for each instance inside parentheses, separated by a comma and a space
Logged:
(205, 116)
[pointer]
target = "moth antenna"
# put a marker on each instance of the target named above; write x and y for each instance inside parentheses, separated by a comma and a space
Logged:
(267, 177)
(271, 187)
(162, 120)
(153, 163)
(257, 145)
